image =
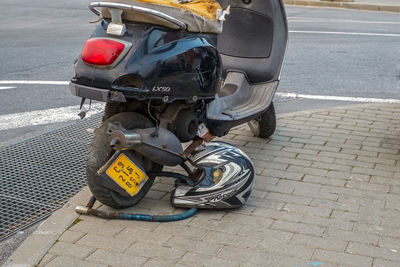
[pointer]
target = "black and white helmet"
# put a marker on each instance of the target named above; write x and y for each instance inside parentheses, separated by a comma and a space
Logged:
(227, 180)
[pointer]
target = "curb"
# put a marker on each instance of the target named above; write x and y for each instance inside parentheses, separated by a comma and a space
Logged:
(349, 5)
(36, 246)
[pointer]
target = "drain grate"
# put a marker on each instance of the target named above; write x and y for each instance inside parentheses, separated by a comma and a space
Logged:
(39, 175)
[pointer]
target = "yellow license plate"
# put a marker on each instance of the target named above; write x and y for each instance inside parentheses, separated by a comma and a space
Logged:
(127, 175)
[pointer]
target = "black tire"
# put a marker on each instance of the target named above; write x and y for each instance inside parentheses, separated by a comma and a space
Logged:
(267, 122)
(99, 152)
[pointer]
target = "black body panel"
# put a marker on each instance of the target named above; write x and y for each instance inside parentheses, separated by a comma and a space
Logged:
(254, 39)
(162, 62)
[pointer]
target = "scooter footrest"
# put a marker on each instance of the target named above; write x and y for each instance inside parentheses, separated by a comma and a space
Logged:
(240, 99)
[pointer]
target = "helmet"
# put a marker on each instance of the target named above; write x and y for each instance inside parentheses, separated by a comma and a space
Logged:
(226, 181)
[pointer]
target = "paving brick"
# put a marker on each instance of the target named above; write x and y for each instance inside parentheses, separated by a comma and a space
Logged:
(282, 248)
(359, 152)
(331, 166)
(300, 228)
(316, 158)
(137, 225)
(161, 263)
(265, 203)
(392, 231)
(335, 205)
(288, 198)
(395, 189)
(215, 225)
(389, 242)
(348, 176)
(308, 141)
(341, 258)
(194, 259)
(95, 228)
(368, 186)
(231, 240)
(71, 236)
(130, 235)
(343, 191)
(384, 263)
(286, 261)
(71, 250)
(108, 243)
(376, 172)
(63, 261)
(338, 155)
(264, 233)
(297, 185)
(373, 251)
(301, 151)
(277, 214)
(351, 236)
(313, 171)
(363, 201)
(323, 180)
(247, 220)
(255, 193)
(115, 258)
(199, 247)
(328, 222)
(270, 165)
(286, 144)
(173, 229)
(303, 209)
(245, 256)
(283, 174)
(341, 143)
(310, 192)
(381, 150)
(319, 242)
(388, 156)
(46, 259)
(280, 188)
(355, 163)
(290, 161)
(266, 180)
(148, 250)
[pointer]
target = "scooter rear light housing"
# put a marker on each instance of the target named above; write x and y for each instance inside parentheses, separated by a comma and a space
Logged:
(104, 52)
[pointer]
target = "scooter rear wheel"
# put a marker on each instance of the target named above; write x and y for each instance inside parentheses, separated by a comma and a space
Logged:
(265, 125)
(99, 153)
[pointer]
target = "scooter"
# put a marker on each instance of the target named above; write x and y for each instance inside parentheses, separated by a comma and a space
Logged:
(173, 72)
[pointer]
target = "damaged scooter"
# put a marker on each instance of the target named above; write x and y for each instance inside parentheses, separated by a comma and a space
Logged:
(173, 72)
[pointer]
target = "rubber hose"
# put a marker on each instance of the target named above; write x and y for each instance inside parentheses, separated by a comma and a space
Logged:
(142, 217)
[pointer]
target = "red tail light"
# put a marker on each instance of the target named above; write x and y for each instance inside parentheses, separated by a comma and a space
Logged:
(102, 52)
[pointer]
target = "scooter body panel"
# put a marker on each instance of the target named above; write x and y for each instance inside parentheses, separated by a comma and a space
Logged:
(161, 63)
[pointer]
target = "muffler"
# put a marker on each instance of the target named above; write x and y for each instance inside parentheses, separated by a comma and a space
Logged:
(158, 144)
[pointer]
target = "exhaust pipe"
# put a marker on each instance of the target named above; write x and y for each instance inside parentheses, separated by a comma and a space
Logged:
(158, 144)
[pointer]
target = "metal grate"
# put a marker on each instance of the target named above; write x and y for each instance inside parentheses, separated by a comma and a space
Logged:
(39, 175)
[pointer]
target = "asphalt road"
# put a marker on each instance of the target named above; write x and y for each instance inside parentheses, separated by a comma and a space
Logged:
(40, 40)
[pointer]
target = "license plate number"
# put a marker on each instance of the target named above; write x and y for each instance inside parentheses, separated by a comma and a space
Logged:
(127, 175)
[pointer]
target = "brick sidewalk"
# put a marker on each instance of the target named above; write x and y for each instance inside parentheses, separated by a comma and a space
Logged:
(327, 194)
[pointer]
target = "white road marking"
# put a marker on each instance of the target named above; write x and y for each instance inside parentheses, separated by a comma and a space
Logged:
(349, 33)
(35, 82)
(47, 116)
(303, 19)
(339, 98)
(5, 88)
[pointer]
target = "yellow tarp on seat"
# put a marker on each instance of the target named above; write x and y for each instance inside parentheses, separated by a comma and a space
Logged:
(205, 8)
(198, 15)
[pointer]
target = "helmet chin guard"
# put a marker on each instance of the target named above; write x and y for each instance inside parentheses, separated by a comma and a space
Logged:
(226, 182)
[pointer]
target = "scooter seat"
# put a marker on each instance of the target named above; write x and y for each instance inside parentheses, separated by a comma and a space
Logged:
(198, 15)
